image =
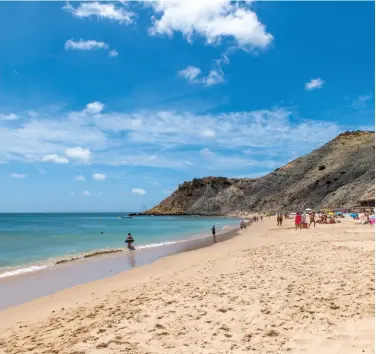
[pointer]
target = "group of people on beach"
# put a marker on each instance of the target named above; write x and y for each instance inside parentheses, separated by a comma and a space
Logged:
(301, 220)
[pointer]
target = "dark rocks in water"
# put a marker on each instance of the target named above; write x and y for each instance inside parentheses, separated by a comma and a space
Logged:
(295, 186)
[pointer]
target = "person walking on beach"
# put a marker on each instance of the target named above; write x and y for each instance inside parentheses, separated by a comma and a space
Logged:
(129, 240)
(279, 219)
(312, 219)
(261, 217)
(298, 221)
(213, 232)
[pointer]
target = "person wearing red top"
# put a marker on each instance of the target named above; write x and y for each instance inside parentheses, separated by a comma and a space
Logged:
(298, 221)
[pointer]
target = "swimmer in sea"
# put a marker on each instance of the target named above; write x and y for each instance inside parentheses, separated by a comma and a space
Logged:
(129, 240)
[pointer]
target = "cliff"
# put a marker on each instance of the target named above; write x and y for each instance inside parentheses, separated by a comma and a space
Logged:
(336, 175)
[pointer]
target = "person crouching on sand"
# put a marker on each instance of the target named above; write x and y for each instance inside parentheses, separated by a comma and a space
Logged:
(298, 221)
(129, 240)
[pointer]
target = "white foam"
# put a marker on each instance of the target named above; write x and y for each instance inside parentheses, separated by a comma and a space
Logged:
(22, 271)
(153, 245)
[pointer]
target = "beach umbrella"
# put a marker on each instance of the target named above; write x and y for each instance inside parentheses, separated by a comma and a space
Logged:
(338, 213)
(308, 209)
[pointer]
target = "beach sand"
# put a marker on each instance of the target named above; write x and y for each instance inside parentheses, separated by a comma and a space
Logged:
(268, 290)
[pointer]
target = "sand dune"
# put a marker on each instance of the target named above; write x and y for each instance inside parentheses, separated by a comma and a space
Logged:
(266, 291)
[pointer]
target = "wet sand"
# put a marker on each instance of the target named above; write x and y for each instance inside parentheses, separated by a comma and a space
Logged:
(268, 290)
(19, 289)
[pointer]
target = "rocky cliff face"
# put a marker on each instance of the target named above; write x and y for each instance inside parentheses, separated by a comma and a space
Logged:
(336, 175)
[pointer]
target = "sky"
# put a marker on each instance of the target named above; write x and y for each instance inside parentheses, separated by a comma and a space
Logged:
(109, 106)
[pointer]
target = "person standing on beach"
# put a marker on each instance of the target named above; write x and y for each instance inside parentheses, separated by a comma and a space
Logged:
(279, 219)
(261, 217)
(213, 231)
(312, 219)
(298, 221)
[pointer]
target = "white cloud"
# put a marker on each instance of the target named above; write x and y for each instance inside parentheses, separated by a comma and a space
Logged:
(78, 153)
(113, 53)
(17, 175)
(86, 194)
(79, 178)
(85, 45)
(102, 11)
(193, 75)
(190, 73)
(165, 139)
(94, 107)
(213, 20)
(207, 153)
(98, 176)
(215, 77)
(208, 133)
(55, 158)
(314, 84)
(138, 191)
(361, 101)
(10, 116)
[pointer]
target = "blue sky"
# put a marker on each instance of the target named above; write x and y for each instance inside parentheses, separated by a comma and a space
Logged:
(109, 106)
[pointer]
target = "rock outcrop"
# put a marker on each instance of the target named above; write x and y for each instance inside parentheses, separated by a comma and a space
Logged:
(336, 175)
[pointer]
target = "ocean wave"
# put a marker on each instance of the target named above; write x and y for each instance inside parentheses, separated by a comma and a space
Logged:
(70, 258)
(19, 271)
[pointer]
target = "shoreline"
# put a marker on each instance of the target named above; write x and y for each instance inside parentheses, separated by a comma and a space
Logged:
(268, 290)
(39, 265)
(96, 265)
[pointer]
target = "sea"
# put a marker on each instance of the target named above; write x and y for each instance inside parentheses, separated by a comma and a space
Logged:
(35, 241)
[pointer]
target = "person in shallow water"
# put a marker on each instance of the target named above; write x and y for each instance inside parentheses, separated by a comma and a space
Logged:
(129, 240)
(213, 231)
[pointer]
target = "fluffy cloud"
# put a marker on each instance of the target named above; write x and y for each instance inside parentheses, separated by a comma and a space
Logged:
(17, 175)
(212, 20)
(78, 153)
(55, 158)
(190, 73)
(138, 191)
(94, 107)
(86, 194)
(85, 45)
(113, 53)
(10, 116)
(193, 75)
(79, 178)
(98, 176)
(314, 84)
(117, 13)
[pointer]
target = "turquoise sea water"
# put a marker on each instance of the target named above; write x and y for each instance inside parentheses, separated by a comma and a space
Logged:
(30, 242)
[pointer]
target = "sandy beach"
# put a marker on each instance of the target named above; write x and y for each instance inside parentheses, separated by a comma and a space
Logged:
(268, 290)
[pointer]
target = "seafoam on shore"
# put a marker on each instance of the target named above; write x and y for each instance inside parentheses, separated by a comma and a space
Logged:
(51, 262)
(151, 233)
(276, 291)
